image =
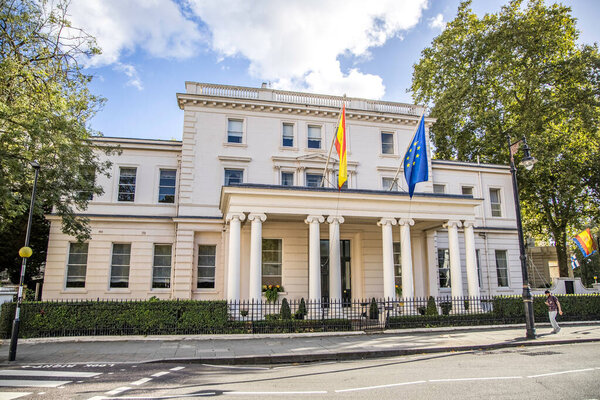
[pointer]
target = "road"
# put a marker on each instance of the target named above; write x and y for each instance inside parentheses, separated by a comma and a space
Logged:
(545, 372)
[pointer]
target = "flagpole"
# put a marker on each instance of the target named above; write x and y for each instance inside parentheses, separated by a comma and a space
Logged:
(409, 144)
(331, 147)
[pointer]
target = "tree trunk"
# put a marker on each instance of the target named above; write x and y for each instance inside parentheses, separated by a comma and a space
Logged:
(560, 240)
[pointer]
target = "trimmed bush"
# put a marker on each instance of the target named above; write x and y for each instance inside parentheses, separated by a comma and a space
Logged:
(431, 307)
(373, 309)
(301, 312)
(285, 312)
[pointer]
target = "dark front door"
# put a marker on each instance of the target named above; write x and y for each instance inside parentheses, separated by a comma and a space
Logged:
(569, 288)
(346, 271)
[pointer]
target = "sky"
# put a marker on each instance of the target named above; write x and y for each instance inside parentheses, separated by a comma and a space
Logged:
(150, 48)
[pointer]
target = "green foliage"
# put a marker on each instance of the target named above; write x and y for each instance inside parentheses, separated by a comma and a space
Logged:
(300, 326)
(520, 73)
(373, 309)
(301, 312)
(285, 311)
(446, 307)
(431, 308)
(575, 307)
(272, 292)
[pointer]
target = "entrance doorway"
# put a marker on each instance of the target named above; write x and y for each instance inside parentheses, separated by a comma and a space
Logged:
(346, 272)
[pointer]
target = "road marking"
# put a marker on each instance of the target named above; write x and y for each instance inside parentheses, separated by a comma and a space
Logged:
(118, 390)
(177, 369)
(26, 372)
(562, 372)
(476, 379)
(153, 397)
(156, 375)
(141, 381)
(233, 367)
(282, 393)
(379, 386)
(31, 383)
(13, 395)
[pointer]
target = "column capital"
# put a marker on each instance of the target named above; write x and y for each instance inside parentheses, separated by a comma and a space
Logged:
(406, 221)
(257, 216)
(238, 216)
(310, 219)
(386, 221)
(337, 219)
(452, 223)
(469, 223)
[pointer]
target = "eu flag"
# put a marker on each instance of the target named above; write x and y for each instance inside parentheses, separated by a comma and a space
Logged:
(415, 160)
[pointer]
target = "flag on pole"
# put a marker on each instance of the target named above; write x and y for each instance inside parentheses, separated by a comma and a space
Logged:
(574, 262)
(416, 168)
(340, 146)
(586, 243)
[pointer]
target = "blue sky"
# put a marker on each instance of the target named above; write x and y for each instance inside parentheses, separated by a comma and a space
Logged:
(150, 49)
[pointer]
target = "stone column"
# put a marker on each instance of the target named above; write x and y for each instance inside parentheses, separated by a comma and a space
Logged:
(433, 274)
(335, 268)
(255, 284)
(389, 281)
(408, 288)
(454, 250)
(233, 270)
(471, 258)
(314, 257)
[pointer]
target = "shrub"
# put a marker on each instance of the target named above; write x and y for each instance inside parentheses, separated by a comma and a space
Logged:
(301, 312)
(446, 306)
(285, 311)
(373, 309)
(431, 307)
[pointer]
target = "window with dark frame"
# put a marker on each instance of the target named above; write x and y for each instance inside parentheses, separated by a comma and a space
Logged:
(444, 267)
(397, 265)
(388, 183)
(287, 139)
(314, 137)
(234, 176)
(439, 189)
(387, 143)
(271, 261)
(127, 178)
(235, 130)
(207, 261)
(467, 190)
(161, 267)
(495, 202)
(287, 178)
(313, 180)
(77, 265)
(119, 270)
(166, 188)
(502, 268)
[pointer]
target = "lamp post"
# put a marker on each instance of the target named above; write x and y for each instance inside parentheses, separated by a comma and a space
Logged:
(25, 252)
(527, 162)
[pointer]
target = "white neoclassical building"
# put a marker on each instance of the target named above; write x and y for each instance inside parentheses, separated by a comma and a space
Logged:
(237, 204)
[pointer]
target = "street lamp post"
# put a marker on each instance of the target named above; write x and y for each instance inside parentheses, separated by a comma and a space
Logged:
(527, 162)
(25, 252)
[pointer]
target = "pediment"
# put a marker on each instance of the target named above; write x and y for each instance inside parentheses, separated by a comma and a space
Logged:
(313, 158)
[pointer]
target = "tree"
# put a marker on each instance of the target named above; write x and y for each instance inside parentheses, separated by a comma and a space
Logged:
(45, 106)
(520, 73)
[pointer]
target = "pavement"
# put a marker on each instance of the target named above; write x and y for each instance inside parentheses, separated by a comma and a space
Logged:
(286, 348)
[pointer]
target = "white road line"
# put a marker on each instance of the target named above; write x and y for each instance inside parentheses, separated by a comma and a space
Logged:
(153, 397)
(489, 378)
(141, 381)
(562, 372)
(281, 393)
(156, 375)
(379, 386)
(177, 369)
(118, 390)
(31, 383)
(27, 372)
(13, 395)
(232, 367)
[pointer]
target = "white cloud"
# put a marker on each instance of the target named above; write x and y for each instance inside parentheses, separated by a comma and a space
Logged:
(296, 44)
(132, 74)
(437, 22)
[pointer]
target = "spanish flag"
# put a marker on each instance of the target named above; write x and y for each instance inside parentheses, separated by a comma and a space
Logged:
(586, 243)
(340, 146)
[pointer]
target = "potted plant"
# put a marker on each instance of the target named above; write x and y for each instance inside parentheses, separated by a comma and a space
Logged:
(272, 292)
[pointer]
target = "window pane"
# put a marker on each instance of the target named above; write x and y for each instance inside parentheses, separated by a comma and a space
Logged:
(233, 176)
(444, 267)
(288, 135)
(313, 180)
(271, 265)
(502, 268)
(314, 137)
(77, 265)
(467, 190)
(235, 131)
(119, 273)
(127, 184)
(495, 202)
(206, 266)
(389, 182)
(287, 179)
(387, 143)
(397, 264)
(439, 188)
(166, 190)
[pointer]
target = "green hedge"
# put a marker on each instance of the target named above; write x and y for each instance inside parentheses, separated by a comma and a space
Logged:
(575, 307)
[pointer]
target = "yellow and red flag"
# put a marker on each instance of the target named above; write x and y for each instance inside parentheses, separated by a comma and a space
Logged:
(340, 146)
(586, 243)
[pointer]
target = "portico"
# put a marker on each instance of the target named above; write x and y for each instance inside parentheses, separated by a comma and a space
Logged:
(369, 220)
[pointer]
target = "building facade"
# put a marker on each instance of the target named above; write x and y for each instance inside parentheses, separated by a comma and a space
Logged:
(238, 203)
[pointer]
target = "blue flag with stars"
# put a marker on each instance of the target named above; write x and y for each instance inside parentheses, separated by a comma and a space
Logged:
(415, 160)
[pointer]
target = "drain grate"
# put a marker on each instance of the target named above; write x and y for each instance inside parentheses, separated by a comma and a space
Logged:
(541, 353)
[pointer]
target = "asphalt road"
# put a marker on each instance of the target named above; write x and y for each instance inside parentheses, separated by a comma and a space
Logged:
(548, 372)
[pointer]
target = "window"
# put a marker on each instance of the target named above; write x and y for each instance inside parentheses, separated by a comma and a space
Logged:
(444, 267)
(233, 176)
(441, 189)
(166, 188)
(161, 267)
(207, 255)
(495, 202)
(271, 262)
(337, 177)
(127, 184)
(467, 190)
(87, 181)
(119, 271)
(77, 265)
(235, 130)
(502, 268)
(388, 183)
(387, 143)
(313, 180)
(314, 137)
(397, 264)
(287, 178)
(287, 139)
